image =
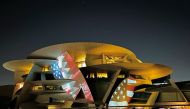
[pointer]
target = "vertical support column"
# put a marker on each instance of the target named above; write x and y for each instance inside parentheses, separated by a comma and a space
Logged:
(18, 76)
(152, 99)
(103, 59)
(175, 86)
(110, 87)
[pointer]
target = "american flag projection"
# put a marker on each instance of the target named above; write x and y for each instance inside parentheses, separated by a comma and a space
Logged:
(75, 74)
(123, 93)
(56, 71)
(66, 68)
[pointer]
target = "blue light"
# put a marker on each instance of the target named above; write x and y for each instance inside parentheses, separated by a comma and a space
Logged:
(56, 71)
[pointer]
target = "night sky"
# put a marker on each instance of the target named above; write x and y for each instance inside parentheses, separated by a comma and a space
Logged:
(157, 31)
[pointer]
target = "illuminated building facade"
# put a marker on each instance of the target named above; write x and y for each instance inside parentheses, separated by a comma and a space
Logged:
(88, 74)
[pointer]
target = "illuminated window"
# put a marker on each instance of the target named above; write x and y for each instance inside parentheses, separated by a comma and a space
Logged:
(92, 75)
(81, 64)
(45, 69)
(102, 75)
(131, 81)
(37, 88)
(121, 76)
(53, 87)
(49, 87)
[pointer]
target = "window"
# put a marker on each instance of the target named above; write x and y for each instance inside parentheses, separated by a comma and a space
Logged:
(102, 75)
(49, 77)
(45, 68)
(121, 76)
(37, 76)
(37, 88)
(92, 75)
(53, 88)
(81, 64)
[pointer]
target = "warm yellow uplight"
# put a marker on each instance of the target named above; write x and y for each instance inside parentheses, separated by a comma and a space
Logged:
(45, 69)
(102, 75)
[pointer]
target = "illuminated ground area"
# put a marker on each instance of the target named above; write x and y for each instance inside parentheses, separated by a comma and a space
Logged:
(89, 75)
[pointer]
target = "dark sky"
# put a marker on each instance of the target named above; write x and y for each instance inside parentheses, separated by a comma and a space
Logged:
(157, 31)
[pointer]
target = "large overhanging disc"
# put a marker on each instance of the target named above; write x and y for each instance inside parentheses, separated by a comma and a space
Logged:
(83, 51)
(25, 65)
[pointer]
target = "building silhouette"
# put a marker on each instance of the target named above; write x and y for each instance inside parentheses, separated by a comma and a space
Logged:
(93, 75)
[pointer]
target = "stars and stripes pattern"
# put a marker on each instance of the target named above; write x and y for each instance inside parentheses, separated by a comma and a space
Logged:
(61, 69)
(66, 68)
(73, 72)
(56, 71)
(124, 93)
